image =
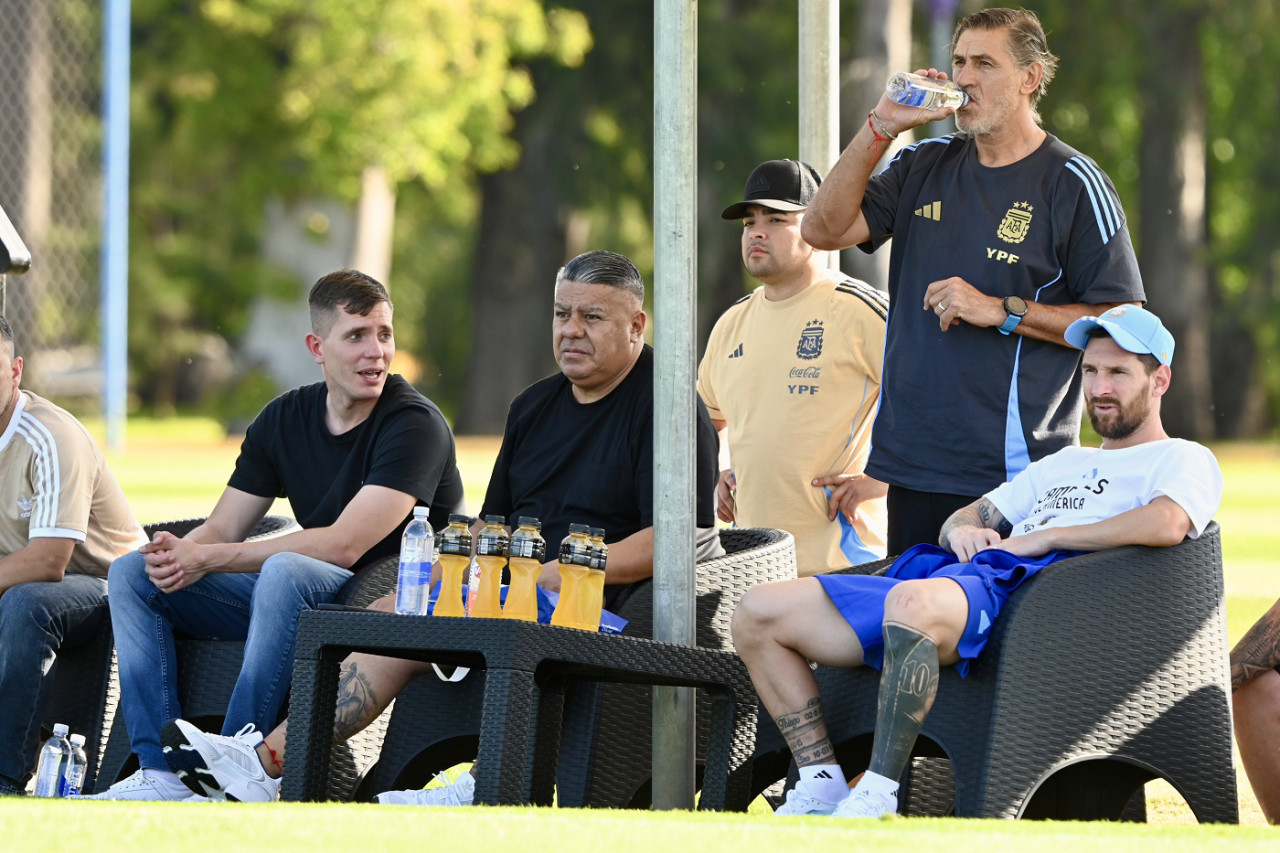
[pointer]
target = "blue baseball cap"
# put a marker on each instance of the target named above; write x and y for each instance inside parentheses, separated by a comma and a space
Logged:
(1132, 327)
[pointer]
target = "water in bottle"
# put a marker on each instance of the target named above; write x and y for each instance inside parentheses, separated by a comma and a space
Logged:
(528, 551)
(929, 93)
(491, 559)
(77, 767)
(52, 767)
(455, 556)
(593, 597)
(417, 547)
(575, 566)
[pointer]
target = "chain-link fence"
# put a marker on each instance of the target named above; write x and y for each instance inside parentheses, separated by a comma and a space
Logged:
(50, 185)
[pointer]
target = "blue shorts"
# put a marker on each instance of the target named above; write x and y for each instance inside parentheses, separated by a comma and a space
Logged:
(987, 582)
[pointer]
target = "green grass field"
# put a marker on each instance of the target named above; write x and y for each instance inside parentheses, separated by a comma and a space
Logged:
(176, 469)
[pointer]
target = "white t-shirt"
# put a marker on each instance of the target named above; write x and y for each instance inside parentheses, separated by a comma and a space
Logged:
(1081, 485)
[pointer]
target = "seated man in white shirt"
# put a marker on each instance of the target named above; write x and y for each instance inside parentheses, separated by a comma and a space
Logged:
(935, 605)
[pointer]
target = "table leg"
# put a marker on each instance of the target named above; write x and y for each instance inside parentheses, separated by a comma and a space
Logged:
(505, 732)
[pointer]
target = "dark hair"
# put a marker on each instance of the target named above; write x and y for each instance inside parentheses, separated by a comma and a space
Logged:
(1149, 361)
(6, 331)
(1027, 42)
(601, 267)
(349, 290)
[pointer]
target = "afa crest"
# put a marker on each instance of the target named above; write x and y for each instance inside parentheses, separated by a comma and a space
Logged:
(810, 346)
(1016, 223)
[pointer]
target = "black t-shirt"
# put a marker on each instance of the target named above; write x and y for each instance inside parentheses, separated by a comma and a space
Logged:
(567, 462)
(405, 444)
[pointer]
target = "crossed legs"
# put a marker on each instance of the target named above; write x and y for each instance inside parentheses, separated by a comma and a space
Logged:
(779, 627)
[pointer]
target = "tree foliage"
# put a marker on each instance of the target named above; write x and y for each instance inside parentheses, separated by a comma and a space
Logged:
(520, 132)
(239, 101)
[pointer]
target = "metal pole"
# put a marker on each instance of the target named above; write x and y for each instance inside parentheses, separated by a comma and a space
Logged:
(819, 89)
(675, 149)
(115, 219)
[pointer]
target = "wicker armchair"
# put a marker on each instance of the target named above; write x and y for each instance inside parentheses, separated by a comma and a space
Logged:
(605, 755)
(1104, 672)
(82, 690)
(208, 669)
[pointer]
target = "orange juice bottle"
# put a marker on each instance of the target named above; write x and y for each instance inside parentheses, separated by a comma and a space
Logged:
(593, 600)
(575, 565)
(455, 556)
(527, 554)
(491, 559)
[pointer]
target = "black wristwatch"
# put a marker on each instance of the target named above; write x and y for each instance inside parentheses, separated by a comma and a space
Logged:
(1016, 308)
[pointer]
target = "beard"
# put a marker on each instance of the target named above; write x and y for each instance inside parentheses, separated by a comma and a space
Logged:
(996, 110)
(1121, 423)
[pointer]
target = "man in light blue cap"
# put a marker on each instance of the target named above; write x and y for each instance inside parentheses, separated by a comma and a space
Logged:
(935, 605)
(1132, 327)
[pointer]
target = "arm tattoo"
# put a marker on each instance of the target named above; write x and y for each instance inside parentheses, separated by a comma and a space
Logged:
(993, 518)
(357, 705)
(1258, 650)
(806, 735)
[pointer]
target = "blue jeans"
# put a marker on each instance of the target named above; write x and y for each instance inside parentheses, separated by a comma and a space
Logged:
(261, 609)
(37, 619)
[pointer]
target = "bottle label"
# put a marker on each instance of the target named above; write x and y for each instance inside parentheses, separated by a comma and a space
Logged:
(532, 549)
(455, 545)
(491, 546)
(575, 554)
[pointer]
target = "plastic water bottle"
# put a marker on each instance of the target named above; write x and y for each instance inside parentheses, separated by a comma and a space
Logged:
(929, 93)
(455, 556)
(486, 578)
(528, 551)
(417, 547)
(77, 767)
(54, 757)
(575, 567)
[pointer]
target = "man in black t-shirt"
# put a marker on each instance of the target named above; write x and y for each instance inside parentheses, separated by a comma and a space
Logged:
(353, 454)
(578, 448)
(578, 445)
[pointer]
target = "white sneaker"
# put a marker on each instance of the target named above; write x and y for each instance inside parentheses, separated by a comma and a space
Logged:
(219, 767)
(865, 803)
(798, 803)
(459, 793)
(141, 786)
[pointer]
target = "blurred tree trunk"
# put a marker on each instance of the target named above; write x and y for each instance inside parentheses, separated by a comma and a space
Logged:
(882, 46)
(1172, 202)
(520, 244)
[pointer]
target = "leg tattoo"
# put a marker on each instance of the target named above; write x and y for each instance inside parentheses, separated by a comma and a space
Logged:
(908, 686)
(1258, 650)
(806, 734)
(357, 704)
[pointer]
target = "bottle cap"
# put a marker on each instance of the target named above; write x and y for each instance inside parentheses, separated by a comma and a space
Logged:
(597, 531)
(421, 511)
(529, 521)
(459, 518)
(579, 528)
(60, 729)
(77, 740)
(495, 519)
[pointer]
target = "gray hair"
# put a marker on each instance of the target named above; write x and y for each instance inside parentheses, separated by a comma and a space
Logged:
(601, 267)
(1027, 42)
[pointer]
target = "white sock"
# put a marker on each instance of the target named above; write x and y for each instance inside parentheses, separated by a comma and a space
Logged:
(877, 784)
(824, 781)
